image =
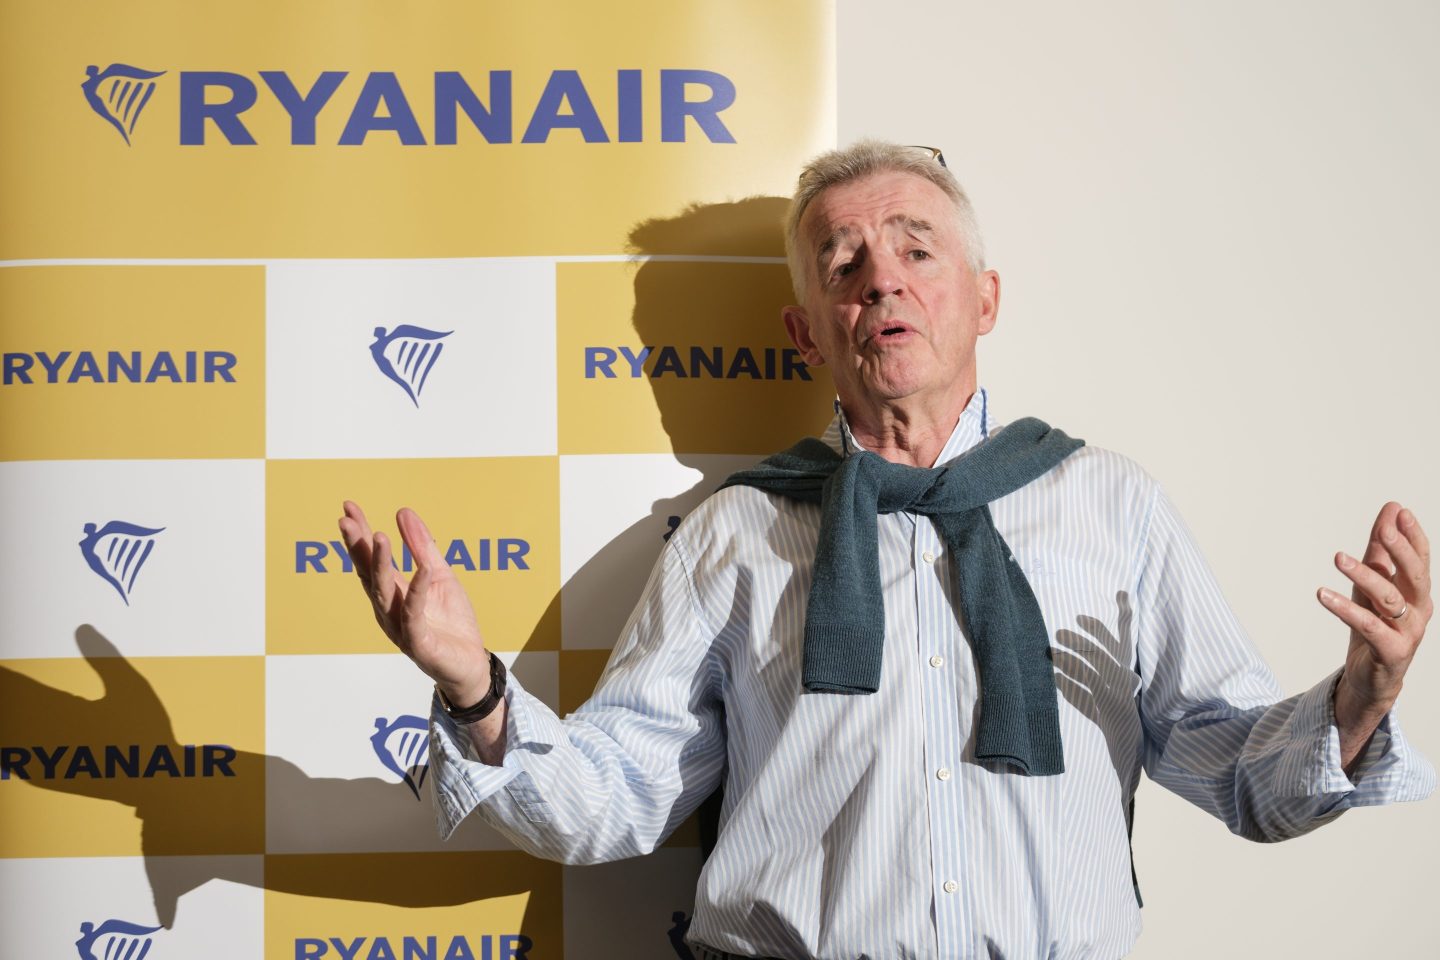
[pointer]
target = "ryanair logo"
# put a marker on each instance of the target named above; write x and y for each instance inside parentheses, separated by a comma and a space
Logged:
(120, 366)
(506, 946)
(498, 553)
(403, 746)
(115, 940)
(713, 363)
(406, 355)
(117, 552)
(114, 762)
(215, 101)
(118, 94)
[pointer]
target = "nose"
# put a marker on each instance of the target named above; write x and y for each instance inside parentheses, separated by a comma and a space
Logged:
(882, 279)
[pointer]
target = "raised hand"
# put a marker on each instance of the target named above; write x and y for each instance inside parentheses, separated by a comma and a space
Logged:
(430, 618)
(1387, 612)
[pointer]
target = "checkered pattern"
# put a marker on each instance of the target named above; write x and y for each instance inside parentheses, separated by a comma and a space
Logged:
(243, 638)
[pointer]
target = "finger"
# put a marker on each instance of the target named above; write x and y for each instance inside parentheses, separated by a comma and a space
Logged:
(1411, 551)
(1377, 557)
(357, 545)
(413, 609)
(353, 512)
(1383, 640)
(1385, 518)
(1380, 591)
(417, 537)
(1410, 525)
(388, 590)
(354, 522)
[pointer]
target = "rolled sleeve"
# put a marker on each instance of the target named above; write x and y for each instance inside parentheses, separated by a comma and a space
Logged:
(1388, 771)
(464, 782)
(615, 777)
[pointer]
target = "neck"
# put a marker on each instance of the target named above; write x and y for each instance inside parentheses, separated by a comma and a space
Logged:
(909, 431)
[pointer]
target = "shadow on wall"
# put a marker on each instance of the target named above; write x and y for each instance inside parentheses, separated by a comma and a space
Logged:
(712, 425)
(192, 825)
(707, 421)
(676, 302)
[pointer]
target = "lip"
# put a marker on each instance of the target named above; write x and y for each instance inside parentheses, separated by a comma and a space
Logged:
(877, 336)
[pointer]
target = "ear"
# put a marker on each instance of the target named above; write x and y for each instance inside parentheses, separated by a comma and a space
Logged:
(797, 324)
(989, 290)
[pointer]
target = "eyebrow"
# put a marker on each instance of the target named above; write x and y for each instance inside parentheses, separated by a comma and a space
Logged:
(911, 225)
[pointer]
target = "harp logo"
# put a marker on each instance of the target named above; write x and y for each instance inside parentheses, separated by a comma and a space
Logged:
(407, 354)
(117, 552)
(118, 94)
(403, 746)
(115, 940)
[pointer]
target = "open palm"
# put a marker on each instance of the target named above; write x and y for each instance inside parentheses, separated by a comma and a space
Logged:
(430, 618)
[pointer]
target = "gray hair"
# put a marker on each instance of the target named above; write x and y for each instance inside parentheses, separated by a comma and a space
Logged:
(863, 159)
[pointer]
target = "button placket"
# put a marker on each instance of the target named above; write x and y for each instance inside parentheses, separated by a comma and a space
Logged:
(939, 643)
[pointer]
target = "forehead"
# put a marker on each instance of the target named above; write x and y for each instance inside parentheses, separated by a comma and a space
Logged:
(869, 203)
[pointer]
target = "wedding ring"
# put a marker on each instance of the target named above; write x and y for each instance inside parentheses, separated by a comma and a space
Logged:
(1404, 609)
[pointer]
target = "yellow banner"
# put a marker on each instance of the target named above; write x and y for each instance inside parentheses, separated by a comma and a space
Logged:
(332, 129)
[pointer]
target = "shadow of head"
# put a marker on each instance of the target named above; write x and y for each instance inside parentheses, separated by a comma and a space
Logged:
(730, 381)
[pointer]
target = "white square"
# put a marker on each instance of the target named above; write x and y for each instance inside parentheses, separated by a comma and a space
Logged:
(616, 511)
(410, 358)
(80, 906)
(347, 770)
(164, 558)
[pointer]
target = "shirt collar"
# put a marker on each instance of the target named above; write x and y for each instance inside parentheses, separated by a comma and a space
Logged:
(976, 423)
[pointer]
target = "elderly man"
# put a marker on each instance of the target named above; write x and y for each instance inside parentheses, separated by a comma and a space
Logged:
(926, 656)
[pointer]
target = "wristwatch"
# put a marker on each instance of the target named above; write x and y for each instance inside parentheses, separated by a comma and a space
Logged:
(487, 704)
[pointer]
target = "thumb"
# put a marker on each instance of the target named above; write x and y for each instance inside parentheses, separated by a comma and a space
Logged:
(418, 539)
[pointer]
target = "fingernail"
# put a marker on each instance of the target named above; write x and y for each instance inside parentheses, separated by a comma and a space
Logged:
(1346, 561)
(1326, 596)
(1406, 517)
(1388, 534)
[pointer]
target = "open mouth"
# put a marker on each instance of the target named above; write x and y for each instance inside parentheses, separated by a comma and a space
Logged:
(887, 332)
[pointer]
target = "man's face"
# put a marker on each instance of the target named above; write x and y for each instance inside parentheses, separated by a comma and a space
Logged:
(891, 304)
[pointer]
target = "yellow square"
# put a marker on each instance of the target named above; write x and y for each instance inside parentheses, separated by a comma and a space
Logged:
(496, 520)
(500, 905)
(175, 744)
(125, 362)
(689, 357)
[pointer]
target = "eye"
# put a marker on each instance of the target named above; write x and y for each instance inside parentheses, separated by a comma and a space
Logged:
(918, 254)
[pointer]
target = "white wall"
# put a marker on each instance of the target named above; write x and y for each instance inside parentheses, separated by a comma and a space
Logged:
(1215, 225)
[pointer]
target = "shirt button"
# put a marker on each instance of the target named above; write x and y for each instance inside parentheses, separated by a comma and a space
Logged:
(951, 886)
(928, 557)
(943, 773)
(937, 661)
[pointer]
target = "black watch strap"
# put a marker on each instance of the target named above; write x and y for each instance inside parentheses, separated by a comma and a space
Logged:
(487, 704)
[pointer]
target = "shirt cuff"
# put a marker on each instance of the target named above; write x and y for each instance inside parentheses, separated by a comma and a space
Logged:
(1388, 771)
(462, 781)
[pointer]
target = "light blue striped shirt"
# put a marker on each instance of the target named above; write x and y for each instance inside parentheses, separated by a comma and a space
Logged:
(862, 826)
